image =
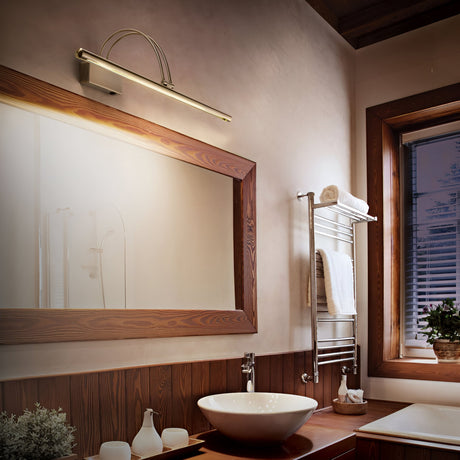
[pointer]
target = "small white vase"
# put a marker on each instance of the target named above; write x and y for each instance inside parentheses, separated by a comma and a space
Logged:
(343, 390)
(147, 441)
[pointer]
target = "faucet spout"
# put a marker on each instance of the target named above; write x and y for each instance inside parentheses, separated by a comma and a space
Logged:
(249, 368)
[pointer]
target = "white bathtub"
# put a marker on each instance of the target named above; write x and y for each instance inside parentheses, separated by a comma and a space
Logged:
(426, 422)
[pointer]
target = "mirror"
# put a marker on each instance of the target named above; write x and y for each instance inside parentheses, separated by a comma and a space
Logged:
(88, 255)
(116, 225)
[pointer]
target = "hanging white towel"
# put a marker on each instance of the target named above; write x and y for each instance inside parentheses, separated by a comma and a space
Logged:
(333, 193)
(338, 280)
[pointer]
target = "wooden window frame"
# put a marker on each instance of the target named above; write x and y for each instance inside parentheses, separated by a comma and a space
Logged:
(384, 125)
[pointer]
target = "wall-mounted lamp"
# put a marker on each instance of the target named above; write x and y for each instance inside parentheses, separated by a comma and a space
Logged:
(101, 73)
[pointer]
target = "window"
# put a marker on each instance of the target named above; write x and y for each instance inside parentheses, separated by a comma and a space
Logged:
(385, 125)
(431, 231)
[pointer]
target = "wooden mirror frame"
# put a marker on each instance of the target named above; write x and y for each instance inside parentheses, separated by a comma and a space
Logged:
(40, 325)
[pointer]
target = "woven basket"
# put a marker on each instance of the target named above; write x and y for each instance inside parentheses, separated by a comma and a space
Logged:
(349, 408)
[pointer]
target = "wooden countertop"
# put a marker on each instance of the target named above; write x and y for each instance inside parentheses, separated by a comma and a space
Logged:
(324, 436)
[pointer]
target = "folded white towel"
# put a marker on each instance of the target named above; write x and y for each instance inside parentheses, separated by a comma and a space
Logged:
(333, 193)
(338, 280)
(355, 396)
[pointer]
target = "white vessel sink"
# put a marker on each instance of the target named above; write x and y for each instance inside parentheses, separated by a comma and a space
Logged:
(257, 417)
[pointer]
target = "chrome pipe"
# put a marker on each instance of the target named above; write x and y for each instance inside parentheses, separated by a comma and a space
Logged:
(336, 230)
(313, 287)
(334, 361)
(334, 237)
(333, 347)
(335, 320)
(333, 222)
(336, 339)
(335, 353)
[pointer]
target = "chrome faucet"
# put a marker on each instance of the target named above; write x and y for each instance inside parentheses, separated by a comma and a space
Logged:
(249, 368)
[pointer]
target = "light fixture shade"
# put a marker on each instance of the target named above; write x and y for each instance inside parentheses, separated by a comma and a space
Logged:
(102, 82)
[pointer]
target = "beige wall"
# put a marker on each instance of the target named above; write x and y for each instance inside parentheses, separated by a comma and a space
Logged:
(288, 81)
(418, 61)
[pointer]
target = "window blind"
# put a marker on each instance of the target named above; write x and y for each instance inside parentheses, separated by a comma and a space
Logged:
(432, 229)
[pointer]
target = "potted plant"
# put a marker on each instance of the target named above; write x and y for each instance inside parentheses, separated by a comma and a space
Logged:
(443, 330)
(40, 434)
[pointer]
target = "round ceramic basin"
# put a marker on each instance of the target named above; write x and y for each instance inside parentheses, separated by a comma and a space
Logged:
(257, 417)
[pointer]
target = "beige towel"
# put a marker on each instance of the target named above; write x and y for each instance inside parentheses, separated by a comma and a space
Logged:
(321, 301)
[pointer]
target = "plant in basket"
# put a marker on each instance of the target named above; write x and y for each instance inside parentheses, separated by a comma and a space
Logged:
(443, 329)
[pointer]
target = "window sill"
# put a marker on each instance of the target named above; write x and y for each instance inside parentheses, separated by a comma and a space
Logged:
(416, 369)
(420, 360)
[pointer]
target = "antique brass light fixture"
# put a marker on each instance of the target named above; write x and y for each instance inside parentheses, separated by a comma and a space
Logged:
(99, 72)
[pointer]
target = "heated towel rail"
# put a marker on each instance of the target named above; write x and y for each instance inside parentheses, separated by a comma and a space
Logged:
(341, 229)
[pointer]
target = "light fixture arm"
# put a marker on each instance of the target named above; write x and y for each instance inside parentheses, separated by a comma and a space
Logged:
(118, 35)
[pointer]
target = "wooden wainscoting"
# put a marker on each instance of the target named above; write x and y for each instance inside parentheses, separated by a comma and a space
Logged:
(108, 405)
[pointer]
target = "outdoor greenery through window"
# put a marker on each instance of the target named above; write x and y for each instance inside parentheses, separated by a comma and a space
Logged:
(431, 204)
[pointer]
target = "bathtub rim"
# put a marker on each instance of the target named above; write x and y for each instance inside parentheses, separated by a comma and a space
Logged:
(434, 440)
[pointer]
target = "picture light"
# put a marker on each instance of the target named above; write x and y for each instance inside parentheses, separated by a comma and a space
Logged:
(99, 72)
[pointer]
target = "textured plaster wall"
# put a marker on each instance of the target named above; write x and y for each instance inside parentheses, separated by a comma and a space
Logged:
(288, 81)
(412, 63)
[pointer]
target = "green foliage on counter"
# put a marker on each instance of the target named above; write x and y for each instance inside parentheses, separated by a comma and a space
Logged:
(41, 434)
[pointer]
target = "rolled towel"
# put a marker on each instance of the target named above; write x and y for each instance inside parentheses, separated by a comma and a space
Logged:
(333, 193)
(355, 396)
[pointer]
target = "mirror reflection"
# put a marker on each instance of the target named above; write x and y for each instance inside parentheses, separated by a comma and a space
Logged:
(92, 221)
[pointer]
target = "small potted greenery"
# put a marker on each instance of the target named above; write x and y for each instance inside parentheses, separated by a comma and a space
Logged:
(443, 330)
(41, 434)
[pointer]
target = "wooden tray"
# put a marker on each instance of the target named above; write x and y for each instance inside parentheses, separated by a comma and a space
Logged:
(97, 457)
(193, 444)
(349, 408)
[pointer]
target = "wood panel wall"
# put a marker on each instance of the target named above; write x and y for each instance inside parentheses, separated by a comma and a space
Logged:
(109, 405)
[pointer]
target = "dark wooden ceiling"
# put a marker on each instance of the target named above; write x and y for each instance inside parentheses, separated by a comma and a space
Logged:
(364, 22)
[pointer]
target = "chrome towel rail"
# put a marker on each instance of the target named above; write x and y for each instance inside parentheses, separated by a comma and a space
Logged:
(345, 232)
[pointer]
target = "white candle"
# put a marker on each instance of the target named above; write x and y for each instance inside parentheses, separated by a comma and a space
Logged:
(174, 437)
(115, 450)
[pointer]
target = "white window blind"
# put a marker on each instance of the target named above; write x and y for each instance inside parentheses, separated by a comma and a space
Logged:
(431, 230)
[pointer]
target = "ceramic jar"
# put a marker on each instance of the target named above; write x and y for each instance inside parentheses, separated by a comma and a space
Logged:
(446, 351)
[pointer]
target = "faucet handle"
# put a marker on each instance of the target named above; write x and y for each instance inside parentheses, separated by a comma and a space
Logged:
(250, 356)
(249, 368)
(249, 364)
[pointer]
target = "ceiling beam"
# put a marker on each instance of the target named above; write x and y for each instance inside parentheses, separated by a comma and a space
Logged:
(383, 14)
(382, 19)
(390, 18)
(325, 12)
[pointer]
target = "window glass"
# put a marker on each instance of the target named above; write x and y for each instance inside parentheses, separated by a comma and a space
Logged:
(431, 231)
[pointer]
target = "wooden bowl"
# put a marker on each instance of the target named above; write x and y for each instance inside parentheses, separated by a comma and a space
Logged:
(349, 408)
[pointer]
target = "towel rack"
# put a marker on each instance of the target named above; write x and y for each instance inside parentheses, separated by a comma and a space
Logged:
(345, 232)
